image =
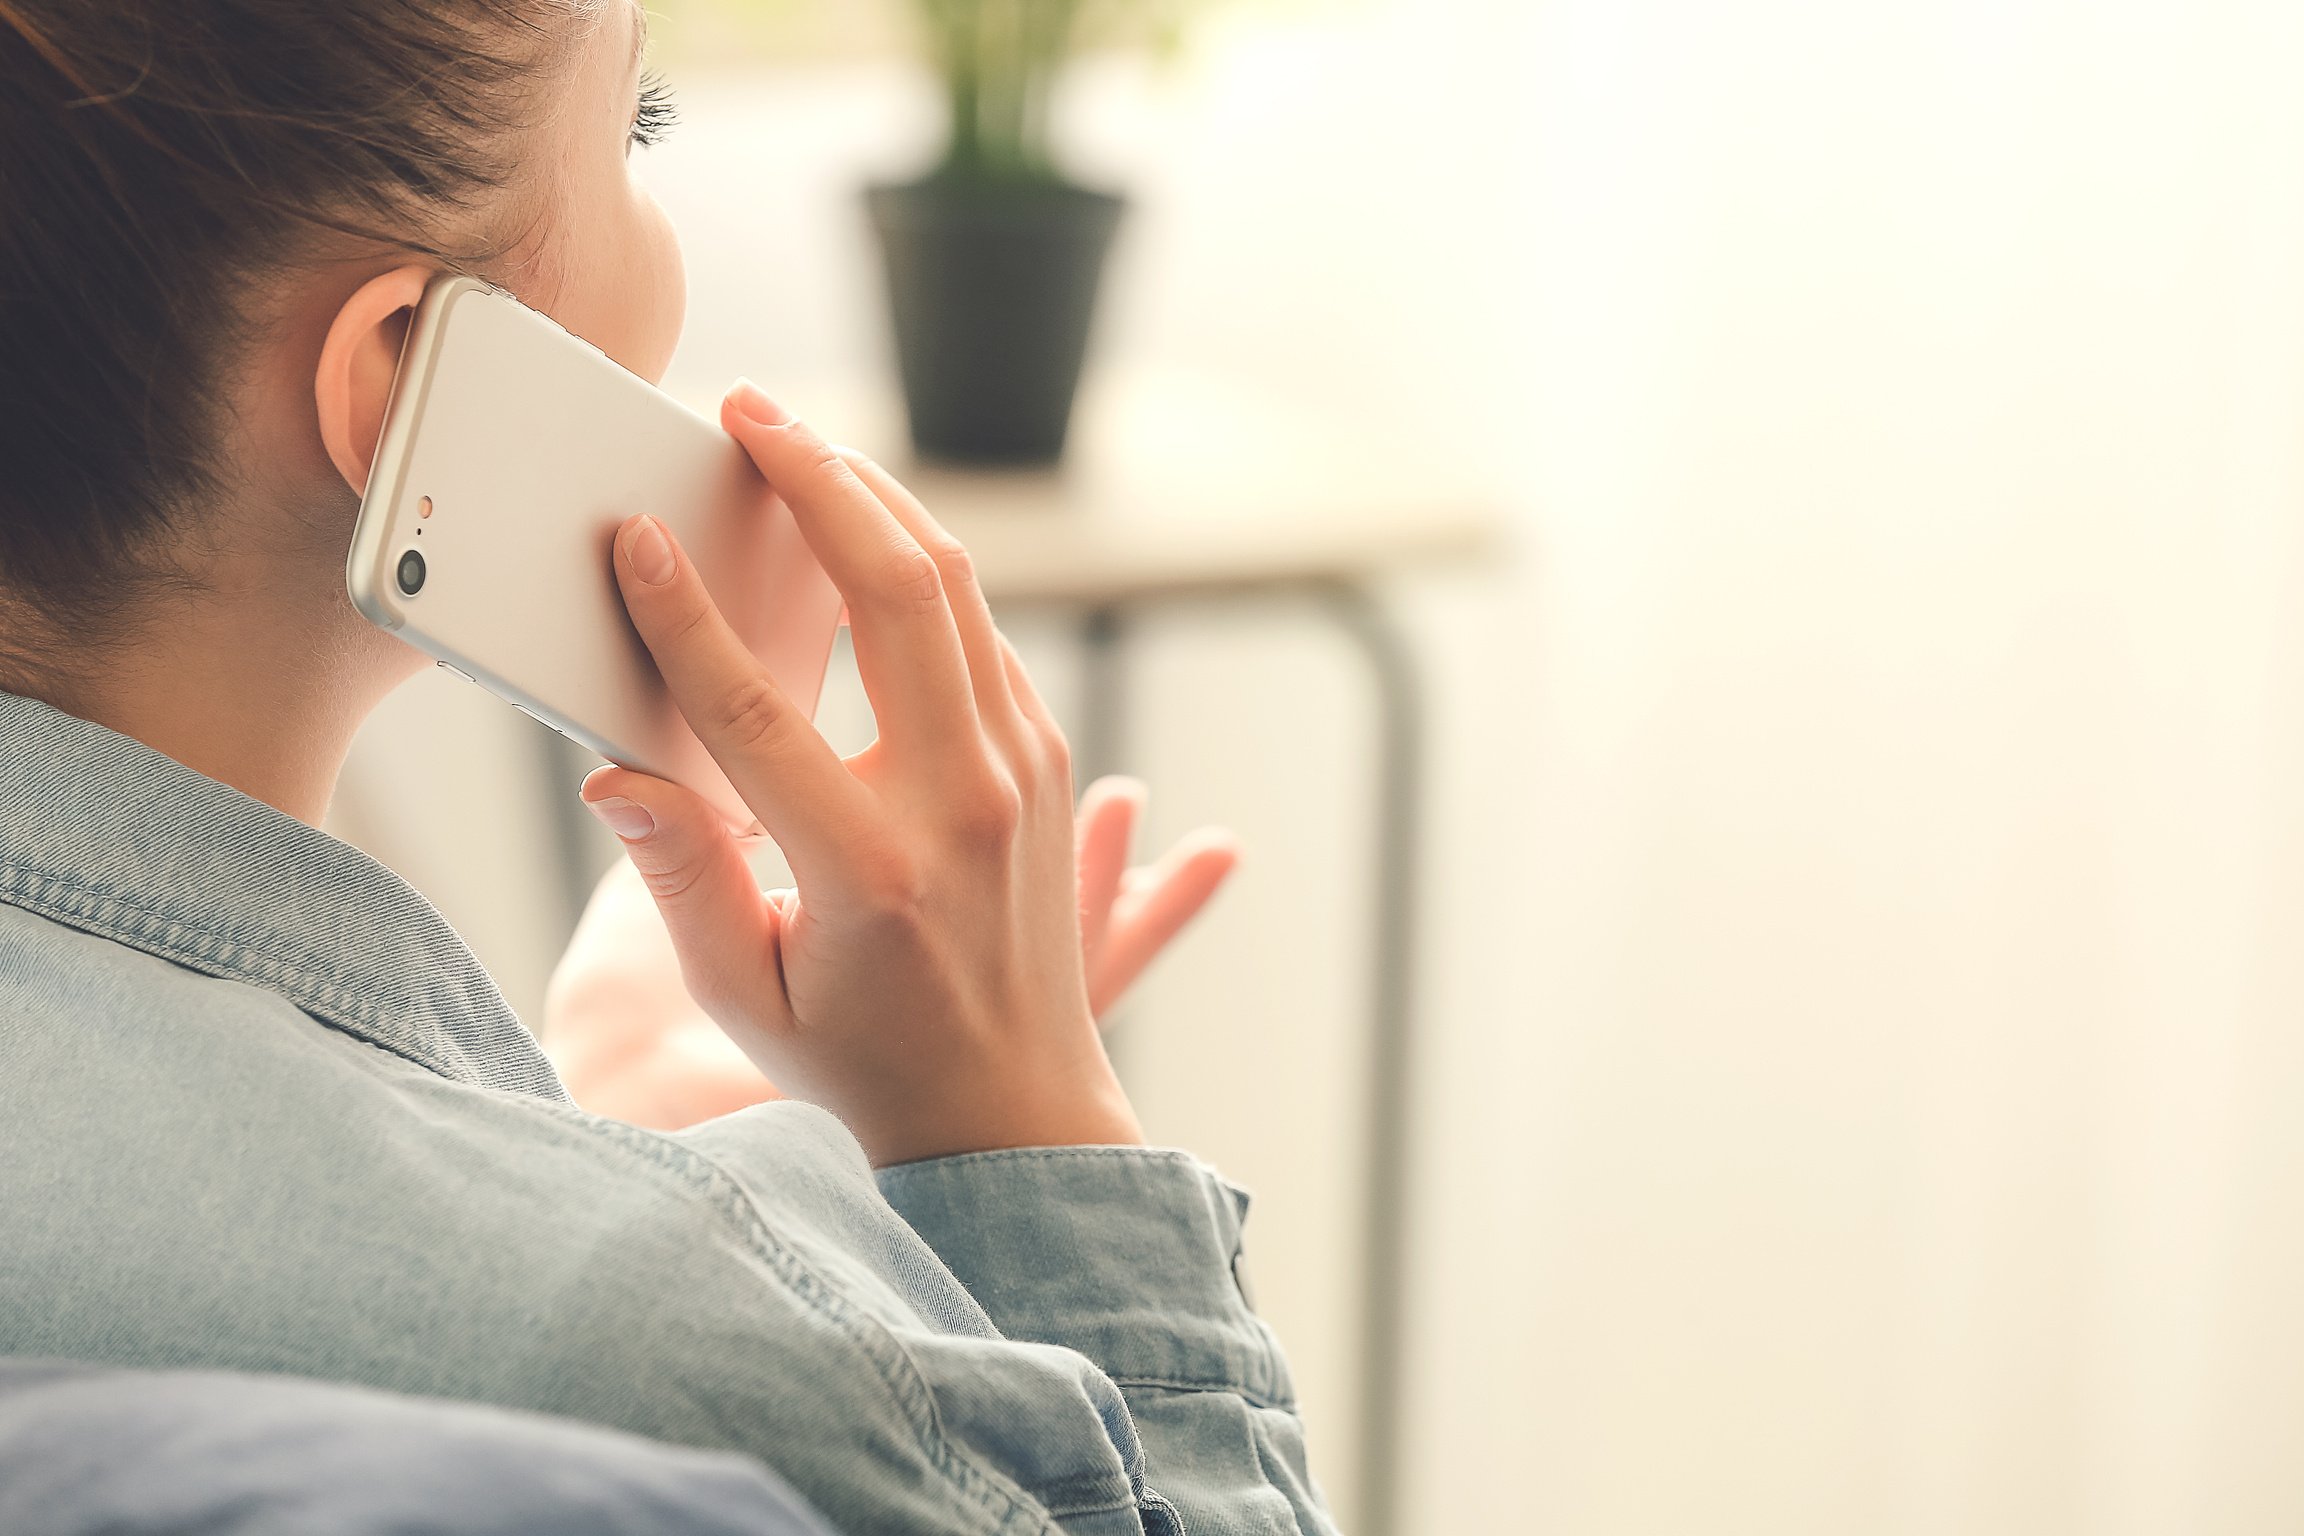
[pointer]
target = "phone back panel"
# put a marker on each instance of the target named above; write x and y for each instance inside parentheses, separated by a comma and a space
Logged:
(532, 447)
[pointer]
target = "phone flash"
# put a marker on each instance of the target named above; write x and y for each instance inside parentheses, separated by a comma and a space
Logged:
(424, 507)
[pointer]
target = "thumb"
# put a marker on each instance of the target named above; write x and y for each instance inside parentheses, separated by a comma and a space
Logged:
(722, 928)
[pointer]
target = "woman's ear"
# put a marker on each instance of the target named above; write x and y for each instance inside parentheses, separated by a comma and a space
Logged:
(357, 361)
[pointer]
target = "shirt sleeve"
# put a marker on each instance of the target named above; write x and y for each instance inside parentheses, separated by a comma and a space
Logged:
(1131, 1256)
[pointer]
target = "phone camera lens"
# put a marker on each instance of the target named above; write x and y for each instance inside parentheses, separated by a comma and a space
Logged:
(412, 572)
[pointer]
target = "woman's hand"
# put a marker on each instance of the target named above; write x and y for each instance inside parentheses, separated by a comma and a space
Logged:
(1129, 915)
(628, 1040)
(925, 981)
(631, 1043)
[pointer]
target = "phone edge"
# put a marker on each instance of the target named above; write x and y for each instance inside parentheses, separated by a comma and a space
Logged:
(364, 579)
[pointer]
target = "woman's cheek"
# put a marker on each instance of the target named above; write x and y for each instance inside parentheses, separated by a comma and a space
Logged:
(662, 288)
(626, 289)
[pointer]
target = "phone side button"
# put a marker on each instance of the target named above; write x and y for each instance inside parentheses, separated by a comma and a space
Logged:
(459, 671)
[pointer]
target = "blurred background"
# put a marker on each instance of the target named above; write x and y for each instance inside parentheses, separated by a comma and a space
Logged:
(1839, 471)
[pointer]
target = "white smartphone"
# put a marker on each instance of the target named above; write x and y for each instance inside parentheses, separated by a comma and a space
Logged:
(511, 452)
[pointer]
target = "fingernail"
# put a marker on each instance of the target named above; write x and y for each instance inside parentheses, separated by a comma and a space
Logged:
(650, 553)
(628, 819)
(753, 402)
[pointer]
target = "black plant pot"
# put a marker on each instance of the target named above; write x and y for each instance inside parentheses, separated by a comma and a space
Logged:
(993, 290)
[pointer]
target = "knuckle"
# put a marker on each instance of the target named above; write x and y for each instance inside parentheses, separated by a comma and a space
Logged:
(913, 579)
(670, 879)
(750, 714)
(893, 886)
(821, 457)
(989, 814)
(802, 452)
(955, 567)
(682, 629)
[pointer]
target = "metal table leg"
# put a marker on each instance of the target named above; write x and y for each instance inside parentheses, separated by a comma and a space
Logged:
(1388, 1176)
(1103, 694)
(1101, 744)
(1388, 1229)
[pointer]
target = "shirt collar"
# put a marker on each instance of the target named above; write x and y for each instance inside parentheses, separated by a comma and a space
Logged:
(105, 834)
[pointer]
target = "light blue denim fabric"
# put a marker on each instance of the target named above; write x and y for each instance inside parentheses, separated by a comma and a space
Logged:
(92, 1450)
(260, 1109)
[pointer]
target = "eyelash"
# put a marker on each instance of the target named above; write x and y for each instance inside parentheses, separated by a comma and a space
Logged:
(656, 113)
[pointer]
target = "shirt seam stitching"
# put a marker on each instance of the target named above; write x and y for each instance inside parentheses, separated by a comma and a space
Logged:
(336, 1003)
(331, 993)
(93, 910)
(925, 1166)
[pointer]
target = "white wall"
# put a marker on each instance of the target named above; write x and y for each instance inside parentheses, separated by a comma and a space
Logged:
(1895, 1041)
(1869, 860)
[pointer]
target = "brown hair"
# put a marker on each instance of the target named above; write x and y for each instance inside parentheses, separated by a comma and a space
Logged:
(156, 158)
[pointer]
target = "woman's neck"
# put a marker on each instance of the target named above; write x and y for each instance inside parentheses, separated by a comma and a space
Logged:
(256, 670)
(258, 694)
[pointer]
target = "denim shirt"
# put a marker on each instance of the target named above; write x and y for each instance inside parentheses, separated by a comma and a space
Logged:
(98, 1450)
(260, 1109)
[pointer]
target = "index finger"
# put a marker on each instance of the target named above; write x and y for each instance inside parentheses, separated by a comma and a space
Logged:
(787, 773)
(908, 648)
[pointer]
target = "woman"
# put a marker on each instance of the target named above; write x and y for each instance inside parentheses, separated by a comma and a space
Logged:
(261, 1109)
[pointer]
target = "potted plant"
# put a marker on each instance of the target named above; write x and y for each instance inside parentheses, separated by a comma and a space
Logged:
(994, 258)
